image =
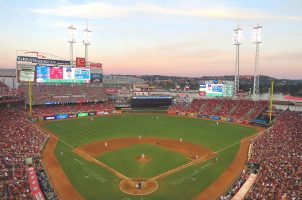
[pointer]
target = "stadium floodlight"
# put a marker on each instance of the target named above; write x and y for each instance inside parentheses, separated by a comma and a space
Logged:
(237, 36)
(87, 36)
(86, 41)
(71, 39)
(237, 40)
(257, 34)
(257, 39)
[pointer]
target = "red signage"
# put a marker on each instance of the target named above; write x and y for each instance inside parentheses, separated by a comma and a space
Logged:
(56, 73)
(111, 90)
(80, 62)
(34, 184)
(96, 65)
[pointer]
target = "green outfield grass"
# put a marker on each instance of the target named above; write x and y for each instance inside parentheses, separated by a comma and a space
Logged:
(124, 160)
(94, 182)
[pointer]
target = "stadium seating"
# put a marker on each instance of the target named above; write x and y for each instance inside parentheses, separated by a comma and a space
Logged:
(18, 140)
(71, 108)
(8, 95)
(224, 107)
(211, 106)
(227, 106)
(65, 93)
(278, 152)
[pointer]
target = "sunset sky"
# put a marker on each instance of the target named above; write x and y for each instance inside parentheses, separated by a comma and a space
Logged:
(166, 37)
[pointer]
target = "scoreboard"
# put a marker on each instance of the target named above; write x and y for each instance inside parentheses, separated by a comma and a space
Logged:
(49, 74)
(214, 89)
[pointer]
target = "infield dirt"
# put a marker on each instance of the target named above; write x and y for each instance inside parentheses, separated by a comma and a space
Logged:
(192, 151)
(65, 189)
(61, 183)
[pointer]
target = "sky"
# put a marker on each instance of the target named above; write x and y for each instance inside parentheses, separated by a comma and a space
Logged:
(166, 37)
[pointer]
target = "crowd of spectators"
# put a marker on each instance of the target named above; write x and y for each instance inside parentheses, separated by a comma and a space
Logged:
(71, 108)
(65, 93)
(8, 95)
(279, 153)
(224, 107)
(248, 109)
(278, 156)
(18, 140)
(211, 106)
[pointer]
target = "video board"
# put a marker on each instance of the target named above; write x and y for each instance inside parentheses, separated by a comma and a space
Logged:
(26, 76)
(51, 74)
(211, 89)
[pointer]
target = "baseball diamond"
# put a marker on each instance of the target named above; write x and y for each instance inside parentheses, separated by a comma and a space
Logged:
(182, 156)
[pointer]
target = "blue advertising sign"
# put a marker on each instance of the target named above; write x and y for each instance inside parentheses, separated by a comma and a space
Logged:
(80, 73)
(215, 117)
(51, 117)
(61, 116)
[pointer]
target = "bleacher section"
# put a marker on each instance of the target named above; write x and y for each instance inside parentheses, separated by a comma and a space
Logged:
(243, 110)
(64, 93)
(8, 95)
(277, 152)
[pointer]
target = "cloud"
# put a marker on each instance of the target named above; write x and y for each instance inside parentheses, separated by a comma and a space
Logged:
(91, 10)
(95, 10)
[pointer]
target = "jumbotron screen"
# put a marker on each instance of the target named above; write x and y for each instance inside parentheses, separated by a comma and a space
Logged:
(51, 74)
(213, 89)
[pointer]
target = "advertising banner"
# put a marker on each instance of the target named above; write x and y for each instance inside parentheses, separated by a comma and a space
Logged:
(68, 73)
(50, 103)
(228, 119)
(56, 73)
(49, 117)
(47, 74)
(80, 62)
(84, 114)
(81, 74)
(111, 90)
(72, 115)
(172, 113)
(42, 61)
(203, 116)
(26, 75)
(100, 112)
(215, 117)
(214, 89)
(96, 65)
(96, 78)
(34, 184)
(91, 113)
(42, 73)
(61, 116)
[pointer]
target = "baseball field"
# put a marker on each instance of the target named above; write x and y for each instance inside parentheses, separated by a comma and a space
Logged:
(143, 156)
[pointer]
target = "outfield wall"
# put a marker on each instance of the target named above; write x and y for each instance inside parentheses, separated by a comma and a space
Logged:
(72, 115)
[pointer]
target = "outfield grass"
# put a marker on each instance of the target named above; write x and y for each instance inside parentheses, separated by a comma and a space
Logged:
(94, 182)
(124, 160)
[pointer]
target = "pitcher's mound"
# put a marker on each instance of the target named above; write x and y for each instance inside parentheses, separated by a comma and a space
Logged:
(143, 159)
(138, 186)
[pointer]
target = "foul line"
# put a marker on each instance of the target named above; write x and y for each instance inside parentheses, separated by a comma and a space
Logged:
(89, 158)
(120, 175)
(85, 155)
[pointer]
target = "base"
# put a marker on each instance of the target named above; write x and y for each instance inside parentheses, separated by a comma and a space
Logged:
(129, 186)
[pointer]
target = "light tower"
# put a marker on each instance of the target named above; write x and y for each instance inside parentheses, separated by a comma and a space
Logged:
(237, 40)
(71, 40)
(86, 41)
(257, 39)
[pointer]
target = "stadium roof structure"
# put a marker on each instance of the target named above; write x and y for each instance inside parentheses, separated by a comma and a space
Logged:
(7, 72)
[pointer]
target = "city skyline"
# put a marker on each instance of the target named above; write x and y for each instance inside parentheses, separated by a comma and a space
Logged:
(175, 38)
